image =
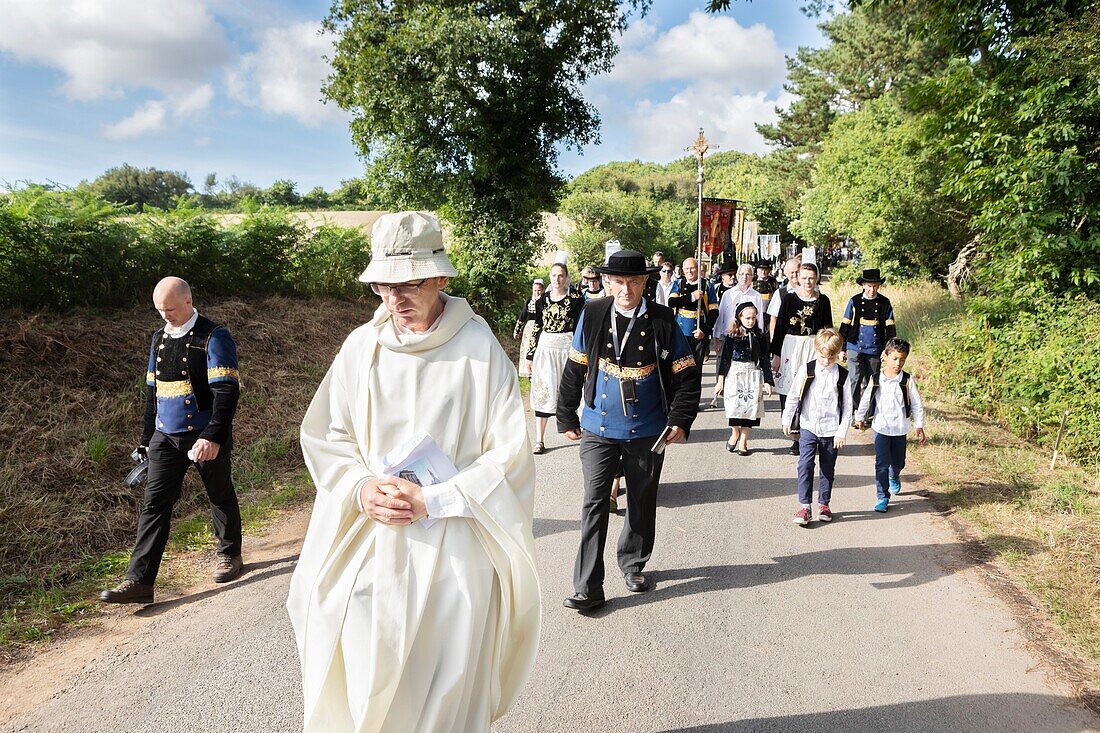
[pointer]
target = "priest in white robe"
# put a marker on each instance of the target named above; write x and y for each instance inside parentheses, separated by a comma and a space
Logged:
(416, 608)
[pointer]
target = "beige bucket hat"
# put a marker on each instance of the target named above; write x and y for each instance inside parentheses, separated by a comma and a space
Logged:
(406, 246)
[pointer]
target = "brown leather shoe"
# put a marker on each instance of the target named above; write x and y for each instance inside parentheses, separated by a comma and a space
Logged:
(129, 591)
(228, 568)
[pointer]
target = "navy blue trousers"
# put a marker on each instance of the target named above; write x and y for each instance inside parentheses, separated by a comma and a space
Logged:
(810, 446)
(889, 460)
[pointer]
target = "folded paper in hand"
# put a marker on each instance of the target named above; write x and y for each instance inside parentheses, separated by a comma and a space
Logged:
(420, 460)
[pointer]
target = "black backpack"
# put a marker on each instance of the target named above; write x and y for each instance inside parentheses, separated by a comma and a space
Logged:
(874, 396)
(811, 367)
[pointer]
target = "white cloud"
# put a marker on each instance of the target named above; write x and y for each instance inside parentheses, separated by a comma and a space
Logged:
(149, 117)
(106, 46)
(663, 130)
(152, 116)
(706, 48)
(285, 73)
(194, 102)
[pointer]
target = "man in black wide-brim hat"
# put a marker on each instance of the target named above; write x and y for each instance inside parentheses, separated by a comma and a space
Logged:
(639, 379)
(868, 324)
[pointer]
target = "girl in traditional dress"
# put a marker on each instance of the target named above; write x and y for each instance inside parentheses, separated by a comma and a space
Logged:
(525, 324)
(556, 315)
(802, 315)
(744, 376)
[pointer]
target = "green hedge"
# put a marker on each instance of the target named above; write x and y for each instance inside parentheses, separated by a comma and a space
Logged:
(65, 249)
(1028, 370)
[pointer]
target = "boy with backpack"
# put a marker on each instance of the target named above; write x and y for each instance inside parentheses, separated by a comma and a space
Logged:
(819, 411)
(891, 404)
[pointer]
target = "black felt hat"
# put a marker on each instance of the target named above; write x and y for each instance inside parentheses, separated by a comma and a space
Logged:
(627, 262)
(870, 276)
(730, 266)
(763, 264)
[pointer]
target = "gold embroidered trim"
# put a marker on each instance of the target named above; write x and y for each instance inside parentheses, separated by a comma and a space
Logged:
(180, 388)
(694, 312)
(684, 362)
(611, 368)
(150, 377)
(219, 372)
(868, 322)
(847, 320)
(889, 321)
(578, 356)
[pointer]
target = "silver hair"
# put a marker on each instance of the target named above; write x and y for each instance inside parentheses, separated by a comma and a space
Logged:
(744, 267)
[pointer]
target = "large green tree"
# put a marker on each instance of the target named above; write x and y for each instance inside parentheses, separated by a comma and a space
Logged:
(871, 51)
(141, 187)
(876, 181)
(1018, 117)
(462, 106)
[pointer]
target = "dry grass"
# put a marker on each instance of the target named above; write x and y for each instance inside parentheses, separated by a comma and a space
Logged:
(73, 391)
(1041, 526)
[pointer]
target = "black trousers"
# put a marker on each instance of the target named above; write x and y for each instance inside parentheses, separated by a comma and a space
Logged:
(600, 460)
(861, 368)
(168, 462)
(699, 350)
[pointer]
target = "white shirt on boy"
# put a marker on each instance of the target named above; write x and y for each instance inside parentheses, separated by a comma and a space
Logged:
(889, 417)
(822, 406)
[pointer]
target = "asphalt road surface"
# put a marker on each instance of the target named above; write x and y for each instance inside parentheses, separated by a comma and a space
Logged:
(873, 623)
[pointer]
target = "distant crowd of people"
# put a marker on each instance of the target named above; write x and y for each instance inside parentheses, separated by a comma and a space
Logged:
(765, 335)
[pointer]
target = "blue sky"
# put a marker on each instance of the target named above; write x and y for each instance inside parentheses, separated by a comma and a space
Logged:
(232, 87)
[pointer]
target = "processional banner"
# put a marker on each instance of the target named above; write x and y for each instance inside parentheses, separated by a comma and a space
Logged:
(748, 240)
(719, 223)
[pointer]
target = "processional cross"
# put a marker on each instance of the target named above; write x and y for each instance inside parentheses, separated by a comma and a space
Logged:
(700, 149)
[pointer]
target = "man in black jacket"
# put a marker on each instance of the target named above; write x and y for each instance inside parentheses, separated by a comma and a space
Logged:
(193, 384)
(639, 379)
(868, 324)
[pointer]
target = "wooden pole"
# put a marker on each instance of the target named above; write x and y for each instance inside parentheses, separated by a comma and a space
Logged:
(1058, 441)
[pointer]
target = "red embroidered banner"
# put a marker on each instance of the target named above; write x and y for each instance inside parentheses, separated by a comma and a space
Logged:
(718, 223)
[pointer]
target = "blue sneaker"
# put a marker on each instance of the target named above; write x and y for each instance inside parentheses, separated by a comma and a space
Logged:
(895, 486)
(882, 505)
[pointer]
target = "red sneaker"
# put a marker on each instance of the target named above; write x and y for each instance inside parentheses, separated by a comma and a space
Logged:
(824, 513)
(803, 516)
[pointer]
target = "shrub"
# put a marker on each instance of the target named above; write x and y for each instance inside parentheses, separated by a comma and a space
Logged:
(1028, 370)
(329, 263)
(69, 249)
(585, 246)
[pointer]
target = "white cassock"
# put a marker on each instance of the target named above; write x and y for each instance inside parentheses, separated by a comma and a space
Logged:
(417, 628)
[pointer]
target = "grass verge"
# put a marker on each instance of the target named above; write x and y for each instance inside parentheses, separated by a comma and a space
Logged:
(34, 611)
(78, 400)
(1041, 525)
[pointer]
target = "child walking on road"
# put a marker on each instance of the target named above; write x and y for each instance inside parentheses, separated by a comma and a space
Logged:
(818, 408)
(891, 405)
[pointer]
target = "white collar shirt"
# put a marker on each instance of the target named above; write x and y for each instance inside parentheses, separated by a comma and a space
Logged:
(182, 330)
(822, 407)
(889, 417)
(727, 309)
(443, 499)
(627, 314)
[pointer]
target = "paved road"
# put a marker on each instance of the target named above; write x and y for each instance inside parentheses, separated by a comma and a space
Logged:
(872, 623)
